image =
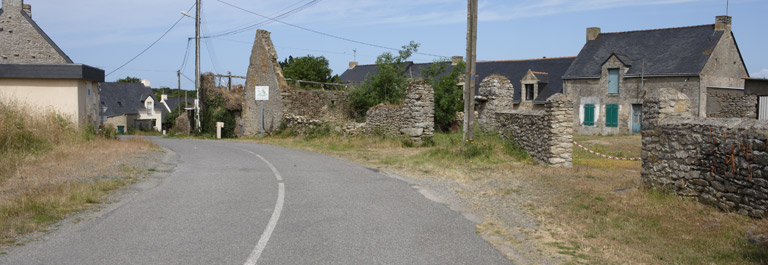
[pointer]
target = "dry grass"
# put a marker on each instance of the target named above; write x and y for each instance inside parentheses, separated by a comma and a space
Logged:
(598, 212)
(51, 169)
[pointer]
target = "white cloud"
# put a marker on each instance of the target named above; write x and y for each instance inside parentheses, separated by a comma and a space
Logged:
(761, 74)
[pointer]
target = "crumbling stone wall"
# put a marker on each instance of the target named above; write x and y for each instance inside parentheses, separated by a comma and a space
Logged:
(326, 105)
(547, 135)
(721, 161)
(730, 103)
(20, 41)
(414, 119)
(496, 96)
(262, 71)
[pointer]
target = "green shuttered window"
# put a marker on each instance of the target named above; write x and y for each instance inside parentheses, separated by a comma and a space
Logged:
(589, 114)
(612, 115)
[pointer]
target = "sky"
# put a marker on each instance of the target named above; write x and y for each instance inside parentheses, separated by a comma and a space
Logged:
(108, 33)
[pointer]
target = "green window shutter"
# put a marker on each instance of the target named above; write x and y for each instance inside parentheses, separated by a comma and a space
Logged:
(613, 81)
(589, 114)
(612, 115)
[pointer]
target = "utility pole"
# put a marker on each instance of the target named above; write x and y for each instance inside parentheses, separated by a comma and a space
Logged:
(178, 74)
(469, 76)
(230, 81)
(198, 126)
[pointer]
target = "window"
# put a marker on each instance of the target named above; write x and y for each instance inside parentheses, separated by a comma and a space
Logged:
(613, 81)
(612, 115)
(149, 107)
(528, 91)
(589, 114)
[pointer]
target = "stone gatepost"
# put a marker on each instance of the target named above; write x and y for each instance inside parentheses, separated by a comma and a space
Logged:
(666, 103)
(559, 111)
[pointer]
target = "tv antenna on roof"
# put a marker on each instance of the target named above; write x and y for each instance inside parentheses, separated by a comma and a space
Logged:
(355, 54)
(727, 5)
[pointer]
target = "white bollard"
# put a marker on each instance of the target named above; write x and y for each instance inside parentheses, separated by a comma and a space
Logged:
(219, 126)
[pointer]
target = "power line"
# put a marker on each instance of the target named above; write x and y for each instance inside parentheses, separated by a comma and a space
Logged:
(268, 21)
(186, 55)
(153, 44)
(322, 33)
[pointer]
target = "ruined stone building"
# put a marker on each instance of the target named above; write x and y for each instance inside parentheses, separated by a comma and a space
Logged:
(615, 71)
(36, 72)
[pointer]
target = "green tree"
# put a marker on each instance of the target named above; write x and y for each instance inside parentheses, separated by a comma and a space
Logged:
(307, 68)
(448, 94)
(388, 85)
(129, 79)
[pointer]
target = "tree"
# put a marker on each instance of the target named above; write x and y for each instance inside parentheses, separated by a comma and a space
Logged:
(129, 79)
(307, 68)
(388, 85)
(448, 94)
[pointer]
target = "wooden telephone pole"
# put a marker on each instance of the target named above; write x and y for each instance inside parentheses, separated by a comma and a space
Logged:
(469, 77)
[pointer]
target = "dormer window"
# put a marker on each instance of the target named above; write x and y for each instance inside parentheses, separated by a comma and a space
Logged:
(528, 91)
(149, 107)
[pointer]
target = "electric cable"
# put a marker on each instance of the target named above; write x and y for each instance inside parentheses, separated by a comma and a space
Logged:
(153, 43)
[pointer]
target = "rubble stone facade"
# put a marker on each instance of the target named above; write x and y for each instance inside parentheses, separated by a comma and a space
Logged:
(22, 40)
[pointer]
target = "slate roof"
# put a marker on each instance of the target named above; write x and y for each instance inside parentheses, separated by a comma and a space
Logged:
(667, 52)
(514, 70)
(42, 34)
(124, 98)
(173, 102)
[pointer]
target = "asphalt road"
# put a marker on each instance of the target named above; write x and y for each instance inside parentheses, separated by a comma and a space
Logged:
(242, 203)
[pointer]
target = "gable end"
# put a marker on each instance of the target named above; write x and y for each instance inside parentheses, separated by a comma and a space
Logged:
(45, 36)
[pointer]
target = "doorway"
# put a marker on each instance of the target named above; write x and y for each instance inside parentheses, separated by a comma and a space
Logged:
(637, 118)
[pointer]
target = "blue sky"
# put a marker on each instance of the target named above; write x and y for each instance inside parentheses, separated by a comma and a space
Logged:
(107, 33)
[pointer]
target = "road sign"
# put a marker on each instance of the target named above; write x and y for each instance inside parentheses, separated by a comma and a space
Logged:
(262, 93)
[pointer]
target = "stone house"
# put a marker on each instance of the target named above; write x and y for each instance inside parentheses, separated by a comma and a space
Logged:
(758, 87)
(131, 106)
(615, 71)
(35, 72)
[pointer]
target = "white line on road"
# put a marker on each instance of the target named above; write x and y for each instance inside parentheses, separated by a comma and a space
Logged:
(275, 214)
(270, 227)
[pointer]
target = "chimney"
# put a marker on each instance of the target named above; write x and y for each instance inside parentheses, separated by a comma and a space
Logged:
(352, 65)
(723, 23)
(592, 33)
(27, 8)
(456, 59)
(163, 97)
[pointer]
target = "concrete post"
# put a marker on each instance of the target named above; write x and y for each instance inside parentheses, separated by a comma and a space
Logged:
(219, 126)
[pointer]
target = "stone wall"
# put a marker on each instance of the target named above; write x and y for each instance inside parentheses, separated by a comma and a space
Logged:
(20, 41)
(497, 96)
(730, 103)
(262, 71)
(546, 135)
(326, 105)
(414, 119)
(720, 161)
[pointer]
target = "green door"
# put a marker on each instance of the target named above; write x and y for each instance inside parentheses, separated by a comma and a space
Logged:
(121, 129)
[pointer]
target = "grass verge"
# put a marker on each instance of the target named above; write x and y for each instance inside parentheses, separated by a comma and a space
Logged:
(51, 169)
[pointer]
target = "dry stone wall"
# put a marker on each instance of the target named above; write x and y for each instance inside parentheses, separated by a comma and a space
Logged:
(720, 161)
(730, 103)
(546, 135)
(324, 105)
(415, 119)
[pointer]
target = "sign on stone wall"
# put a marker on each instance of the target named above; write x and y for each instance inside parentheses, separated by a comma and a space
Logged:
(262, 93)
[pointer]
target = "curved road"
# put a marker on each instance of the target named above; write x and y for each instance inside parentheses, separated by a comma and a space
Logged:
(242, 203)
